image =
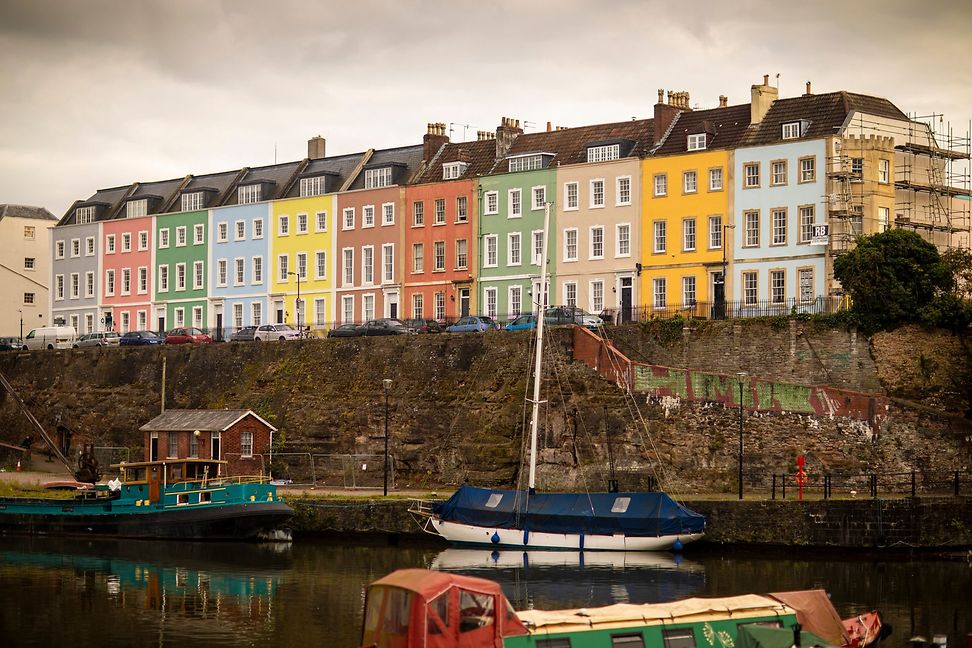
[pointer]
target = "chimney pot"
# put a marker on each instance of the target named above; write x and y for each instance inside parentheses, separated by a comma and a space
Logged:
(661, 95)
(549, 127)
(765, 79)
(723, 101)
(808, 88)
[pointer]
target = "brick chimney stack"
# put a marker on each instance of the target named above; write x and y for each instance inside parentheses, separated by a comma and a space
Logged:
(763, 97)
(434, 138)
(665, 113)
(506, 132)
(315, 148)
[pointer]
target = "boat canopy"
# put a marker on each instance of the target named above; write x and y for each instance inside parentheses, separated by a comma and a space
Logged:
(816, 614)
(759, 636)
(633, 514)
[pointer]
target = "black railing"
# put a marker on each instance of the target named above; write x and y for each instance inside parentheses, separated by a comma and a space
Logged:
(859, 484)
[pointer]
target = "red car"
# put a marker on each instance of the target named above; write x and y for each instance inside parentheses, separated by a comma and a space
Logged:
(187, 335)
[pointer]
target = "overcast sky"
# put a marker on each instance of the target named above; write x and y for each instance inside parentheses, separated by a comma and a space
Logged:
(101, 93)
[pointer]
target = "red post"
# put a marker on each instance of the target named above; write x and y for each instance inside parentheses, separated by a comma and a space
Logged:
(801, 476)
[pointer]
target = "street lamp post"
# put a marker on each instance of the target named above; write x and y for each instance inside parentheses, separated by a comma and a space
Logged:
(725, 296)
(21, 326)
(741, 375)
(300, 311)
(387, 382)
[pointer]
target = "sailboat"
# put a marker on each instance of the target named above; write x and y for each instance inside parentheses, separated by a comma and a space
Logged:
(613, 521)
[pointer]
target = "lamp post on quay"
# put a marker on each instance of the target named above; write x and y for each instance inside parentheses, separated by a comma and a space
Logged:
(741, 375)
(387, 383)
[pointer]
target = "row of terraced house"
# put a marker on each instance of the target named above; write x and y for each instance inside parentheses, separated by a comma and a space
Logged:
(646, 218)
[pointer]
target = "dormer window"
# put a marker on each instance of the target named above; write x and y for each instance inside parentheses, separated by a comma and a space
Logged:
(84, 215)
(136, 208)
(313, 186)
(791, 130)
(526, 162)
(696, 142)
(248, 194)
(452, 170)
(603, 153)
(377, 178)
(192, 201)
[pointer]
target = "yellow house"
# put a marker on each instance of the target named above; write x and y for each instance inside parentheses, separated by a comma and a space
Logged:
(301, 252)
(686, 209)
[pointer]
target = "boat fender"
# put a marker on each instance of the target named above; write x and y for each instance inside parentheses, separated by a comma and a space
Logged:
(581, 547)
(526, 537)
(495, 538)
(678, 545)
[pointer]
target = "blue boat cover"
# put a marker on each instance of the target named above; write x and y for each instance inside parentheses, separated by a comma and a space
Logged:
(640, 515)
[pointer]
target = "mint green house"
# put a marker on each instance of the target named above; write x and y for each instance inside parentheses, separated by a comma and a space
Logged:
(181, 250)
(511, 212)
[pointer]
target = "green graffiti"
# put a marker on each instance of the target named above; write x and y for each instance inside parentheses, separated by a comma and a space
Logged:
(673, 381)
(713, 387)
(784, 396)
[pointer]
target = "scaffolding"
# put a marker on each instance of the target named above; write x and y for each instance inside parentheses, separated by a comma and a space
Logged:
(845, 200)
(932, 178)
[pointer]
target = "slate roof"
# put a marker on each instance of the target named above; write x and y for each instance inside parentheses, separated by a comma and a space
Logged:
(479, 155)
(25, 211)
(218, 181)
(569, 145)
(724, 127)
(338, 168)
(410, 157)
(176, 420)
(279, 174)
(825, 112)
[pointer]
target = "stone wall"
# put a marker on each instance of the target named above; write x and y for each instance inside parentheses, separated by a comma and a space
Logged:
(457, 407)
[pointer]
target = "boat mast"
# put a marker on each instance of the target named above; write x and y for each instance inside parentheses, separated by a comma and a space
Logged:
(541, 311)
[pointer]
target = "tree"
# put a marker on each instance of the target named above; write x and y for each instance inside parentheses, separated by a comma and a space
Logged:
(893, 278)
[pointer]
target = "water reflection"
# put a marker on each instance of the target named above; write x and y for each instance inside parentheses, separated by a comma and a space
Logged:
(572, 578)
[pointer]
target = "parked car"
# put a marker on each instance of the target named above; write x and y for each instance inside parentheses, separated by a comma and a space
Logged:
(345, 330)
(10, 344)
(140, 338)
(102, 339)
(386, 326)
(245, 334)
(422, 326)
(472, 324)
(571, 315)
(525, 322)
(187, 335)
(281, 332)
(50, 337)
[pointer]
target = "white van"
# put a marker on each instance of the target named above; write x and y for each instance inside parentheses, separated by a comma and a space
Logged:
(50, 337)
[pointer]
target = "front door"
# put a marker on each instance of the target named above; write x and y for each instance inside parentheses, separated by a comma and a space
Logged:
(219, 327)
(626, 290)
(154, 447)
(463, 302)
(718, 286)
(161, 323)
(215, 443)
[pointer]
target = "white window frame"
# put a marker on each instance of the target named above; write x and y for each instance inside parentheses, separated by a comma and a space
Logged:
(347, 218)
(198, 234)
(751, 180)
(143, 283)
(377, 178)
(320, 219)
(570, 293)
(462, 209)
(302, 225)
(248, 194)
(715, 179)
(388, 263)
(89, 246)
(418, 258)
(491, 253)
(696, 142)
(622, 239)
(514, 203)
(221, 273)
(570, 244)
(283, 227)
(490, 298)
(715, 232)
(283, 268)
(536, 246)
(239, 271)
(367, 265)
(438, 260)
(660, 185)
(222, 232)
(571, 196)
(514, 244)
(603, 153)
(751, 234)
(791, 130)
(778, 226)
(257, 270)
(198, 275)
(622, 188)
(597, 295)
(539, 194)
(439, 211)
(89, 284)
(257, 229)
(320, 264)
(689, 235)
(689, 291)
(367, 216)
(690, 182)
(59, 248)
(192, 201)
(593, 254)
(597, 190)
(659, 236)
(347, 266)
(180, 276)
(659, 292)
(491, 203)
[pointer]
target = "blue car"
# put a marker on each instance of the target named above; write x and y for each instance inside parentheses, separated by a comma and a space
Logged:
(140, 338)
(526, 322)
(472, 324)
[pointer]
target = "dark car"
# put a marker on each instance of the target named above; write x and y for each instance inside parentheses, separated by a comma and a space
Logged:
(387, 326)
(10, 344)
(187, 335)
(345, 330)
(422, 326)
(245, 334)
(140, 338)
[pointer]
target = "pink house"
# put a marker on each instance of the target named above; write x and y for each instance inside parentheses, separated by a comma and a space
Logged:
(126, 286)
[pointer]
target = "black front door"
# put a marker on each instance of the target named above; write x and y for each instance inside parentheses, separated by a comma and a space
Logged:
(219, 327)
(626, 283)
(161, 326)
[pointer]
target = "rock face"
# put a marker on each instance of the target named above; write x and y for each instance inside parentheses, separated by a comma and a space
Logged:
(457, 413)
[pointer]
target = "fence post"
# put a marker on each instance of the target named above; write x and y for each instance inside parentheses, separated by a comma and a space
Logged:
(913, 484)
(774, 485)
(956, 482)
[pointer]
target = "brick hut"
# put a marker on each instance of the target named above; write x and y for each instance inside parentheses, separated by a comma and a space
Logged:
(239, 437)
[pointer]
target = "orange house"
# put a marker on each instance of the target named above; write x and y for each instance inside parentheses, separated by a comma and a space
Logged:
(440, 241)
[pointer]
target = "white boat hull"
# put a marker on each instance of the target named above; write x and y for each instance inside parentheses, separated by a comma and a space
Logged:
(477, 535)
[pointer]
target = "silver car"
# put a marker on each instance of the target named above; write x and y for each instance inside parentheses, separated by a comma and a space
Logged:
(275, 332)
(103, 339)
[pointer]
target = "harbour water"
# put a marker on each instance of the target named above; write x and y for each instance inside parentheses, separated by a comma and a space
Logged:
(118, 593)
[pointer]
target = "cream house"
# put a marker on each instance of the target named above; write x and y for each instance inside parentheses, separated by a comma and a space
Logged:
(24, 267)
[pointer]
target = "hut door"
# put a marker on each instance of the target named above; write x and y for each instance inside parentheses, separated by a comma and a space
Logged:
(154, 447)
(154, 477)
